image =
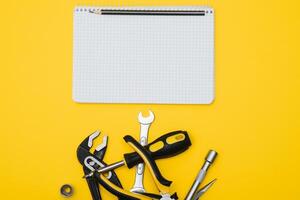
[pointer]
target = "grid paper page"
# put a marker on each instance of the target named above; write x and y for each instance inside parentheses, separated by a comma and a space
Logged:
(143, 58)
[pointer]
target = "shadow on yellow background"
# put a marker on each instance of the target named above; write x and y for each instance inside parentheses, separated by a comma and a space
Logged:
(253, 123)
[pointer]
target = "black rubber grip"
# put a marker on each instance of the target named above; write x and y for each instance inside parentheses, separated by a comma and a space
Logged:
(174, 196)
(168, 150)
(113, 191)
(93, 186)
(115, 180)
(151, 195)
(151, 161)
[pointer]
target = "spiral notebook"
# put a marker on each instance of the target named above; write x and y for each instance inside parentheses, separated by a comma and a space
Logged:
(156, 55)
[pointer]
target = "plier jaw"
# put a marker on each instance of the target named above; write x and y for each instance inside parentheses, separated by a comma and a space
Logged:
(83, 153)
(83, 150)
(91, 162)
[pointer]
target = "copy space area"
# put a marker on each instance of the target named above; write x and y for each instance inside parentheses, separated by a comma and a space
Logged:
(253, 122)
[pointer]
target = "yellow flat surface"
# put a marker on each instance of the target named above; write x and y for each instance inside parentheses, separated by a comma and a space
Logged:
(253, 123)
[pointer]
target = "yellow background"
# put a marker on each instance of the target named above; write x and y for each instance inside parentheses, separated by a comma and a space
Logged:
(253, 123)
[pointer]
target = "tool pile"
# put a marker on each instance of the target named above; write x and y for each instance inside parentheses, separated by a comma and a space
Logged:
(96, 171)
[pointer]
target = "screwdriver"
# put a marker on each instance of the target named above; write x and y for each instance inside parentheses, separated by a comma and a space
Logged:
(166, 146)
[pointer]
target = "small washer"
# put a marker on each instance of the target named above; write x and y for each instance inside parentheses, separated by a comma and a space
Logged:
(66, 190)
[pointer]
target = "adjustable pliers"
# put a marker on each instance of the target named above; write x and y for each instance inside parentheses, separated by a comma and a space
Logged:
(94, 161)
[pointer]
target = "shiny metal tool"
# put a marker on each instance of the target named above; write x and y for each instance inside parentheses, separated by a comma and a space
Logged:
(193, 194)
(167, 145)
(200, 192)
(93, 161)
(139, 176)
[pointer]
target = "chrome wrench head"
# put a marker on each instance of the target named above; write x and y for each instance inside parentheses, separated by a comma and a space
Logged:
(146, 120)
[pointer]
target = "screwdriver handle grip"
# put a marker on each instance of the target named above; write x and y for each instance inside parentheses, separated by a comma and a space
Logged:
(168, 145)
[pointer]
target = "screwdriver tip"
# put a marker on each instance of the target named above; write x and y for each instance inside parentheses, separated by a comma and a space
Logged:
(88, 175)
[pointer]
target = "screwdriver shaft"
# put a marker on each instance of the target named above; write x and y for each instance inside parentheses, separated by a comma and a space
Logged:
(111, 166)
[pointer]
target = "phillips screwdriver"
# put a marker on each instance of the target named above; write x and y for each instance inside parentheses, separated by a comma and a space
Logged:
(166, 146)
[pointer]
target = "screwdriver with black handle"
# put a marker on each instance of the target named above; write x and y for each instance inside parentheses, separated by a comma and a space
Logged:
(168, 145)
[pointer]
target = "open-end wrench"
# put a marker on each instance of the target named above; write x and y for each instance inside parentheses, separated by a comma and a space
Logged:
(145, 124)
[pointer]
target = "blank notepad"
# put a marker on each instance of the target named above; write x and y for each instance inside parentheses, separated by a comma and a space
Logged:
(143, 55)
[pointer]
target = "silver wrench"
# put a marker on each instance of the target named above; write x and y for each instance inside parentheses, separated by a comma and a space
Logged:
(145, 124)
